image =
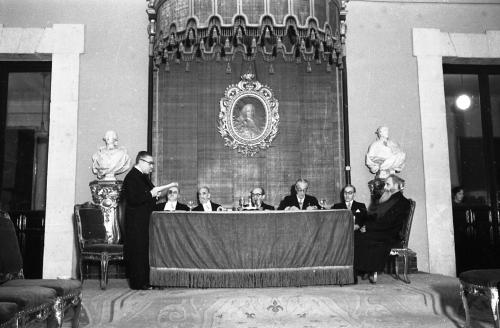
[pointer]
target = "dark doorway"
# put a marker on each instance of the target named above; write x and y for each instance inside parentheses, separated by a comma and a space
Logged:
(24, 130)
(472, 96)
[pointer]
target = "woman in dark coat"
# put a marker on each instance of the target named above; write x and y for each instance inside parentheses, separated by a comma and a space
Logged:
(382, 229)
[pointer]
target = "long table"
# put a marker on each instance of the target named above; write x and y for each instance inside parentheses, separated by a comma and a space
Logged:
(251, 249)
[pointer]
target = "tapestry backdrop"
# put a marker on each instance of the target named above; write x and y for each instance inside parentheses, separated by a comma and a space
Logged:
(189, 149)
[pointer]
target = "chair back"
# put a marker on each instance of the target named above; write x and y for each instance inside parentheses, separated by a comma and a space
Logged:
(11, 261)
(405, 231)
(89, 222)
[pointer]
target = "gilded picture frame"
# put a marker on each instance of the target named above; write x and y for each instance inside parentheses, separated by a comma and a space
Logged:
(248, 117)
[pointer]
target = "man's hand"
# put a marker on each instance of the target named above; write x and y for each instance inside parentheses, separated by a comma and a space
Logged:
(311, 207)
(155, 192)
(292, 208)
(356, 227)
(363, 229)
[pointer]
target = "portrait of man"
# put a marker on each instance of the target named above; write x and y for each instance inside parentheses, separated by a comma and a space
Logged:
(249, 119)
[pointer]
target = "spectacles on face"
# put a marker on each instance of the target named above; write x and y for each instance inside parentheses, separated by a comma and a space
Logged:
(256, 194)
(301, 190)
(150, 163)
(349, 192)
(170, 192)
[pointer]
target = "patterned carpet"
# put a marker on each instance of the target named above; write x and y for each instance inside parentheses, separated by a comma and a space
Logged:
(429, 301)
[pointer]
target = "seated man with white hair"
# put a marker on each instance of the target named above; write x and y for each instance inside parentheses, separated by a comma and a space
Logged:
(205, 204)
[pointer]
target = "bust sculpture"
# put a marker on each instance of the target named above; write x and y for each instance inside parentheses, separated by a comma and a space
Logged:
(384, 156)
(110, 160)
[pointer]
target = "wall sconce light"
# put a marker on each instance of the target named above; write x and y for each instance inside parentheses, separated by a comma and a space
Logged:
(463, 101)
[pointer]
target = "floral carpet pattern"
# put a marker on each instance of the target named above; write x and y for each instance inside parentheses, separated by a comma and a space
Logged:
(429, 301)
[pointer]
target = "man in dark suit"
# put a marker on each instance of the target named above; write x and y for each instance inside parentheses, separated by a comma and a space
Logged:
(205, 202)
(358, 209)
(257, 196)
(299, 201)
(382, 228)
(140, 197)
(172, 203)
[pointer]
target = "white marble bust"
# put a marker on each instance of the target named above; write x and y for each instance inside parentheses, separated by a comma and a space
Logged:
(110, 160)
(384, 156)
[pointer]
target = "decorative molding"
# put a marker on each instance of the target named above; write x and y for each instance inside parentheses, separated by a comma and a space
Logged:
(215, 39)
(248, 117)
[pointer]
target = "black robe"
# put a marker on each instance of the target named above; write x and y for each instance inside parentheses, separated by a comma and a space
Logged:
(383, 226)
(139, 203)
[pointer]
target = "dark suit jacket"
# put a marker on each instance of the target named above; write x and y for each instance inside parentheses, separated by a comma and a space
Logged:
(199, 208)
(291, 200)
(358, 210)
(178, 207)
(267, 207)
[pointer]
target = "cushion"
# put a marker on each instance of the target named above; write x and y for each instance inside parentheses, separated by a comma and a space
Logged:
(62, 287)
(99, 248)
(27, 298)
(11, 261)
(7, 311)
(486, 278)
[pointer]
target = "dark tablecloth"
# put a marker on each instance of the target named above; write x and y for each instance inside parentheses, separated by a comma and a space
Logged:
(251, 249)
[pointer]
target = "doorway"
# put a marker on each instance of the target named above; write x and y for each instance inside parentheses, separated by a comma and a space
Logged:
(472, 97)
(24, 122)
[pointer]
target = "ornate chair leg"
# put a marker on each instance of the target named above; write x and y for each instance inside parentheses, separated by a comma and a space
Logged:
(104, 270)
(77, 308)
(405, 272)
(81, 270)
(463, 293)
(396, 266)
(59, 311)
(494, 306)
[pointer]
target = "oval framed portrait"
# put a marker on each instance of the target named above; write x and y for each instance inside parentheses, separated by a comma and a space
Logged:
(248, 117)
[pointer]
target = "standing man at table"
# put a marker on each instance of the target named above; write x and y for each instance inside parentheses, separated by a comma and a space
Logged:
(358, 209)
(140, 196)
(205, 203)
(258, 195)
(300, 201)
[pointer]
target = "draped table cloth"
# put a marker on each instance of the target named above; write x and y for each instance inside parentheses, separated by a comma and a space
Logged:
(251, 249)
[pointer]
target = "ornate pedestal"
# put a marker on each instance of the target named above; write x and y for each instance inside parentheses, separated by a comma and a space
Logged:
(106, 194)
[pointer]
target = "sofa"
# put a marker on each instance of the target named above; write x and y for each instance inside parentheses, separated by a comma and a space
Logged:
(23, 301)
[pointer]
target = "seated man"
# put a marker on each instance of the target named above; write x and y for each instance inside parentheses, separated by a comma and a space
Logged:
(172, 204)
(205, 203)
(299, 201)
(258, 195)
(382, 228)
(358, 209)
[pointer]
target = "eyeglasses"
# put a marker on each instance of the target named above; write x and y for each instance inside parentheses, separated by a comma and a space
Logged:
(349, 192)
(256, 194)
(150, 163)
(173, 192)
(301, 190)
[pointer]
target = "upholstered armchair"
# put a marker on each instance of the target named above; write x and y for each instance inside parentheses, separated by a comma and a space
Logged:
(25, 300)
(92, 240)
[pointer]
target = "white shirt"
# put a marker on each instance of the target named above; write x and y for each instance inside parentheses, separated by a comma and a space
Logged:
(301, 201)
(348, 204)
(169, 206)
(207, 207)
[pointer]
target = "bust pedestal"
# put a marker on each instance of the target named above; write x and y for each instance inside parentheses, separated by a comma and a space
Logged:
(106, 194)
